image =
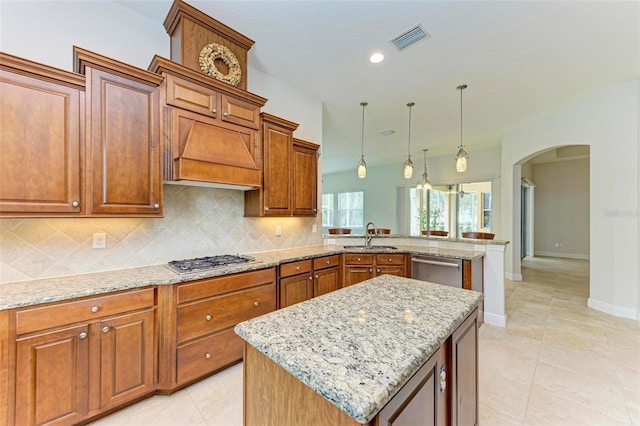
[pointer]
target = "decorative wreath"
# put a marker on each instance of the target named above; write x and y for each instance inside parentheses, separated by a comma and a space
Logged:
(208, 56)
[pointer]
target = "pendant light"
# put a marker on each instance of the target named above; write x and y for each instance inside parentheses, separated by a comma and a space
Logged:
(424, 182)
(408, 165)
(461, 156)
(362, 166)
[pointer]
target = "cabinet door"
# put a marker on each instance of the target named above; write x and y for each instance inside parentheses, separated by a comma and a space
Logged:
(276, 170)
(295, 289)
(304, 184)
(356, 274)
(39, 146)
(52, 371)
(127, 358)
(464, 371)
(391, 270)
(190, 96)
(123, 161)
(417, 402)
(326, 281)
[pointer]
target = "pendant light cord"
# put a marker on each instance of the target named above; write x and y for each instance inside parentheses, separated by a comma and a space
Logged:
(364, 104)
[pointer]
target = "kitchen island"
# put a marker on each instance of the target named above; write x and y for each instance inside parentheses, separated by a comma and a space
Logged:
(380, 350)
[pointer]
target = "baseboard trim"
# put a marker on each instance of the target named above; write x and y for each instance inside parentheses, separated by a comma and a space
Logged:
(495, 319)
(614, 310)
(562, 255)
(513, 277)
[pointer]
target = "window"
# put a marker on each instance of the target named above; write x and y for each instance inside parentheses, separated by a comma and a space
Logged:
(436, 202)
(343, 210)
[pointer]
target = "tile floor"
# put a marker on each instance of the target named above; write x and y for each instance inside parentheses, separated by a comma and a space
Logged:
(557, 363)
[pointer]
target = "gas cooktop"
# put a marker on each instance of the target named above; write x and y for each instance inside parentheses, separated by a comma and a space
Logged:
(205, 263)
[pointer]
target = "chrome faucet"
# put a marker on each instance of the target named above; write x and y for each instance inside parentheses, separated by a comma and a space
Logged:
(367, 236)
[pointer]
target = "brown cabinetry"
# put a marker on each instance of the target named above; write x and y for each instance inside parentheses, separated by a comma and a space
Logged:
(360, 267)
(304, 279)
(40, 139)
(75, 144)
(289, 169)
(75, 360)
(464, 372)
(196, 321)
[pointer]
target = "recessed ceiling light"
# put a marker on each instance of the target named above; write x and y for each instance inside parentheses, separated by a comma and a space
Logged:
(376, 58)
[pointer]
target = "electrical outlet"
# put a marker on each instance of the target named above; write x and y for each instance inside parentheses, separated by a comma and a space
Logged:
(278, 230)
(314, 228)
(99, 240)
(433, 244)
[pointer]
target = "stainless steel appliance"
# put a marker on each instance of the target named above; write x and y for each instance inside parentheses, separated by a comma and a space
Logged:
(205, 263)
(437, 270)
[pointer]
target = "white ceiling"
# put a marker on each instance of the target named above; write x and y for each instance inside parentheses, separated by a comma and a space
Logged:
(520, 59)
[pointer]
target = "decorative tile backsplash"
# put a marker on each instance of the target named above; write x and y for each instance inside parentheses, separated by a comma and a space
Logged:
(197, 222)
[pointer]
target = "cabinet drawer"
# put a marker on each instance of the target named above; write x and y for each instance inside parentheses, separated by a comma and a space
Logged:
(389, 259)
(209, 315)
(326, 262)
(295, 268)
(208, 354)
(214, 286)
(51, 316)
(240, 112)
(192, 97)
(358, 259)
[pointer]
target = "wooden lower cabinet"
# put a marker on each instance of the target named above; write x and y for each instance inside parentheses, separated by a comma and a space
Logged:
(464, 372)
(304, 279)
(360, 267)
(74, 372)
(196, 321)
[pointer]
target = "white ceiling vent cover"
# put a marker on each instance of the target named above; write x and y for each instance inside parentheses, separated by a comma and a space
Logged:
(409, 37)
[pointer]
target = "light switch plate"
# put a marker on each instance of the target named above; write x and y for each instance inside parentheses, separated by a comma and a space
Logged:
(99, 240)
(278, 230)
(314, 228)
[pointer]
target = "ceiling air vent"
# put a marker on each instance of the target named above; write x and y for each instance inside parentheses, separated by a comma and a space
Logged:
(407, 38)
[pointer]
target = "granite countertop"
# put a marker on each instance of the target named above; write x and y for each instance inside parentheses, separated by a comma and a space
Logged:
(420, 237)
(33, 292)
(359, 345)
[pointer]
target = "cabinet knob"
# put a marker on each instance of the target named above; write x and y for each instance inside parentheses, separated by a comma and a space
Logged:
(256, 303)
(390, 260)
(75, 204)
(358, 259)
(225, 114)
(208, 317)
(310, 277)
(156, 206)
(105, 329)
(213, 110)
(370, 269)
(316, 277)
(266, 209)
(328, 262)
(207, 355)
(297, 268)
(95, 309)
(378, 270)
(82, 335)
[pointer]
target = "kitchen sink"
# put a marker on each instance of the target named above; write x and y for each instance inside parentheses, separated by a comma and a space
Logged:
(370, 248)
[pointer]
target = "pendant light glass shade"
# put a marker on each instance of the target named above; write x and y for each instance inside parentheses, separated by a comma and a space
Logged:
(362, 165)
(408, 165)
(461, 156)
(424, 182)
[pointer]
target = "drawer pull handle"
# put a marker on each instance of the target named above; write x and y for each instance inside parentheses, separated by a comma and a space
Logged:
(256, 303)
(82, 335)
(105, 329)
(207, 355)
(208, 317)
(95, 309)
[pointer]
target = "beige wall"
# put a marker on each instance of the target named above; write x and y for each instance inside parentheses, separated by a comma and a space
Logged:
(197, 222)
(562, 208)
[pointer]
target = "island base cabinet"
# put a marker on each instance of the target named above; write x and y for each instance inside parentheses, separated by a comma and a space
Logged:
(417, 402)
(464, 372)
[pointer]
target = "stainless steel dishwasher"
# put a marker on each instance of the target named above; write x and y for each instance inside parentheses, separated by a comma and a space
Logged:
(437, 270)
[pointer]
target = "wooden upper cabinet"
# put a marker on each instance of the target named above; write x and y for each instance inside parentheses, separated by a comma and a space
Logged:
(290, 173)
(304, 183)
(40, 139)
(123, 156)
(190, 96)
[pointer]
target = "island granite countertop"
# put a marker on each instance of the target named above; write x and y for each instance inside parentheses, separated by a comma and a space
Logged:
(45, 290)
(359, 345)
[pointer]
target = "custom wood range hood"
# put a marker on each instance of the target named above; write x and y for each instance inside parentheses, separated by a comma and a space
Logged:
(210, 128)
